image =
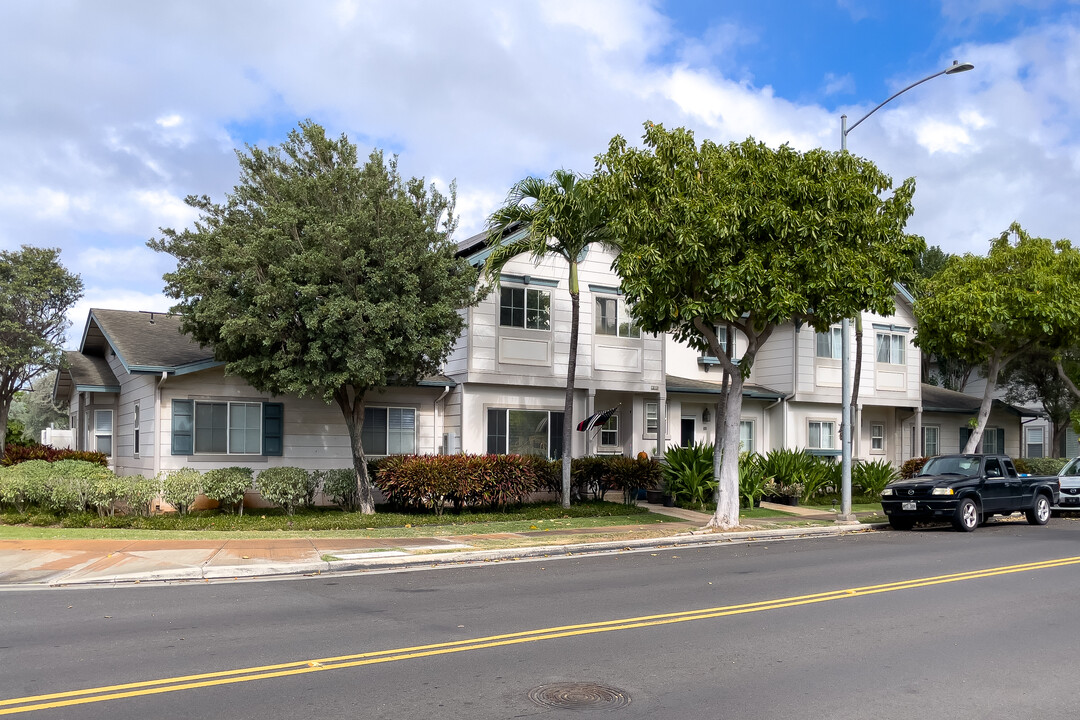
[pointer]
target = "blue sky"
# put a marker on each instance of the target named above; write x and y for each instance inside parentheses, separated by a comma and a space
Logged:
(112, 112)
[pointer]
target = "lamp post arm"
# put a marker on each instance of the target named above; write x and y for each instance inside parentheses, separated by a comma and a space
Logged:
(893, 97)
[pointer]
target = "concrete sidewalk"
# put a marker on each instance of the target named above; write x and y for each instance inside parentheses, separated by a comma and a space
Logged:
(110, 561)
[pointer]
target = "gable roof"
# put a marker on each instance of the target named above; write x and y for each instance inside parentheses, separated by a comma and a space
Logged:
(84, 373)
(144, 342)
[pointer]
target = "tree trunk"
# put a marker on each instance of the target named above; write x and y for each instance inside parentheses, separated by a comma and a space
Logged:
(568, 403)
(718, 434)
(992, 369)
(353, 410)
(1057, 448)
(727, 501)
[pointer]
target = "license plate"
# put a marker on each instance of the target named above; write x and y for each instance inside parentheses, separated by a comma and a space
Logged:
(907, 506)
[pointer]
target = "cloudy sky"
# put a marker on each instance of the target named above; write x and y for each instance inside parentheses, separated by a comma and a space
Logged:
(112, 111)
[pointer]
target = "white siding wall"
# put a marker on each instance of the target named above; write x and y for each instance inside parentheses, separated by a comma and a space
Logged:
(133, 389)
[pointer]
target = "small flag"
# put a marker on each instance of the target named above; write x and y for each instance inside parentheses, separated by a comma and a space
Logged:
(596, 419)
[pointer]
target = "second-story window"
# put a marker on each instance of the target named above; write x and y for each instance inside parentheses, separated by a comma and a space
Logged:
(726, 337)
(828, 344)
(890, 348)
(612, 318)
(525, 308)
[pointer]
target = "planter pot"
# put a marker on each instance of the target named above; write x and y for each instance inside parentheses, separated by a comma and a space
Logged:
(669, 501)
(789, 500)
(774, 499)
(654, 496)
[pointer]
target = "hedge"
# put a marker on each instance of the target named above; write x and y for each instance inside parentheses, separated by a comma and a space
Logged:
(15, 454)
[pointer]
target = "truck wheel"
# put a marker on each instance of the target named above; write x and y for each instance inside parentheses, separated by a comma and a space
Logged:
(1039, 513)
(967, 515)
(901, 523)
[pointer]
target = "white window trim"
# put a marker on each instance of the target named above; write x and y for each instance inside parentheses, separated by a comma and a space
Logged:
(835, 337)
(136, 433)
(228, 426)
(753, 435)
(1028, 443)
(823, 421)
(873, 450)
(604, 429)
(620, 313)
(901, 346)
(525, 325)
(111, 434)
(922, 441)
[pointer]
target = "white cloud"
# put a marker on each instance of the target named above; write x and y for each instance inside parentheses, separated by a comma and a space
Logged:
(111, 299)
(169, 121)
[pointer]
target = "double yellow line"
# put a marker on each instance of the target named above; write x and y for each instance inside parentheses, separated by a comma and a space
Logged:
(300, 667)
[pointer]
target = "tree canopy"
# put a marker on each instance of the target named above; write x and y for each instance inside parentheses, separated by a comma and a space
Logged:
(988, 310)
(560, 217)
(320, 277)
(36, 293)
(751, 237)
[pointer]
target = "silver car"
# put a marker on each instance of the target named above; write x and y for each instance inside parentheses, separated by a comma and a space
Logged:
(1069, 480)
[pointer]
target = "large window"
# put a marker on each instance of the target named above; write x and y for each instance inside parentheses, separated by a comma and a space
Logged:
(525, 432)
(746, 436)
(389, 431)
(103, 431)
(822, 435)
(1034, 444)
(993, 441)
(228, 428)
(612, 318)
(890, 348)
(524, 308)
(828, 344)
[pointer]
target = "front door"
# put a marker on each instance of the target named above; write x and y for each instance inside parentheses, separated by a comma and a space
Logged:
(687, 432)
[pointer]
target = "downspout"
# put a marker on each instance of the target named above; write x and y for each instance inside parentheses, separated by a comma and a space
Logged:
(765, 416)
(157, 423)
(437, 420)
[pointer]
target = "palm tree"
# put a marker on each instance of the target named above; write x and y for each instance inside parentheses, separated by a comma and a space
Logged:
(560, 217)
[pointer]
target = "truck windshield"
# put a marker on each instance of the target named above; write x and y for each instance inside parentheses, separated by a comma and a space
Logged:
(951, 466)
(1071, 469)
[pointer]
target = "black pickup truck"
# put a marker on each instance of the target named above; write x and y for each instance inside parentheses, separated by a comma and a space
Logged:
(966, 490)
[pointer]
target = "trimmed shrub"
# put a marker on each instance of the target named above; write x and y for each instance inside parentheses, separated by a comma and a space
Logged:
(340, 486)
(72, 485)
(25, 485)
(107, 493)
(227, 486)
(872, 477)
(285, 487)
(139, 493)
(181, 487)
(15, 454)
(1042, 466)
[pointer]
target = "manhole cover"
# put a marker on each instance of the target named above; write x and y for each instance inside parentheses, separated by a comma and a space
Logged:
(579, 696)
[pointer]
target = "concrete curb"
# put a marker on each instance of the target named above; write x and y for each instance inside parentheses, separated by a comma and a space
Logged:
(466, 557)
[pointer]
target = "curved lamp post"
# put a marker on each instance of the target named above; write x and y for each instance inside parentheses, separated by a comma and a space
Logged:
(845, 344)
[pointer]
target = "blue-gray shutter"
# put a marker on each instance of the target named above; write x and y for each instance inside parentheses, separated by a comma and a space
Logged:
(965, 435)
(1001, 440)
(273, 428)
(183, 415)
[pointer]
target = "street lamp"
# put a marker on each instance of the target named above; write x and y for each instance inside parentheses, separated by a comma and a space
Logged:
(845, 326)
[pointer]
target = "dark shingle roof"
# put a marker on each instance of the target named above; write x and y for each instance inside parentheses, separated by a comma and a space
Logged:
(706, 387)
(939, 399)
(143, 341)
(90, 371)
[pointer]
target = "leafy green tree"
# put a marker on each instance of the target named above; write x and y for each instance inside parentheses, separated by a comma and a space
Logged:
(34, 408)
(36, 292)
(319, 277)
(988, 311)
(559, 217)
(751, 237)
(1033, 378)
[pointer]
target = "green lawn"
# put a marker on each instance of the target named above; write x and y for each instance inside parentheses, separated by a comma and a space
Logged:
(328, 523)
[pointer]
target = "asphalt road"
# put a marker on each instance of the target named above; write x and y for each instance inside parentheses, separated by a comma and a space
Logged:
(930, 623)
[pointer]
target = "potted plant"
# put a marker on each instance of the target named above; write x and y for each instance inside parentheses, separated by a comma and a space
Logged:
(789, 494)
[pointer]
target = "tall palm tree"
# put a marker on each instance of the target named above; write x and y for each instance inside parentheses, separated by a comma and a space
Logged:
(562, 217)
